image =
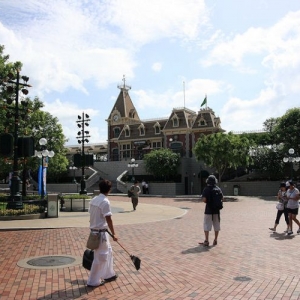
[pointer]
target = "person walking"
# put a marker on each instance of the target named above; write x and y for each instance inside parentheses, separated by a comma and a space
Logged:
(212, 212)
(144, 186)
(100, 220)
(292, 195)
(282, 199)
(135, 189)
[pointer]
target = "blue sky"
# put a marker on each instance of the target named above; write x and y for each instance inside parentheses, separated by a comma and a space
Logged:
(243, 54)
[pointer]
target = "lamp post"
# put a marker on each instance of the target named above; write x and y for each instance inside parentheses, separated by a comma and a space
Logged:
(11, 89)
(132, 164)
(73, 168)
(82, 136)
(43, 154)
(292, 158)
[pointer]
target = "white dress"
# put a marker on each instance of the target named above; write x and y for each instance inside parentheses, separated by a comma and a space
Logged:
(102, 267)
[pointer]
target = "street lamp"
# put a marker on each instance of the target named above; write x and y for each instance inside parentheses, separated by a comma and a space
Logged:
(11, 89)
(82, 136)
(72, 167)
(132, 164)
(292, 158)
(43, 154)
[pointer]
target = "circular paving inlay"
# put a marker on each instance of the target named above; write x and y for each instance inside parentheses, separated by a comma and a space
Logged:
(50, 262)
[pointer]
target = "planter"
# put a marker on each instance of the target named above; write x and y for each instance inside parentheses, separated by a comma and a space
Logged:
(23, 217)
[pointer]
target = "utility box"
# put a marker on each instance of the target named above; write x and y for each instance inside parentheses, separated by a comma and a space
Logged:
(236, 190)
(52, 206)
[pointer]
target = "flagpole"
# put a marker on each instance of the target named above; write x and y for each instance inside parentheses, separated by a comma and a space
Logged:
(183, 94)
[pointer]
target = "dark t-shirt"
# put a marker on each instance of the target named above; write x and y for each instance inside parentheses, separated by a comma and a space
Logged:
(207, 193)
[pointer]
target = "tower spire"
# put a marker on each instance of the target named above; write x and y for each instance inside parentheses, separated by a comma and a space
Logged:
(124, 87)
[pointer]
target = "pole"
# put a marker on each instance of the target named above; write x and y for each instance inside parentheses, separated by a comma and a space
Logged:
(15, 181)
(82, 182)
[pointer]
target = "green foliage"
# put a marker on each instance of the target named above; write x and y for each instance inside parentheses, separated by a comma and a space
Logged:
(288, 128)
(222, 151)
(36, 123)
(162, 163)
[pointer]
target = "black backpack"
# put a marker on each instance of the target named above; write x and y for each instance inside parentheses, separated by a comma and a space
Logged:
(215, 201)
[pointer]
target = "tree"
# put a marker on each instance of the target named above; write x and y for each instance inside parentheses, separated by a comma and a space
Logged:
(162, 163)
(222, 151)
(32, 122)
(287, 129)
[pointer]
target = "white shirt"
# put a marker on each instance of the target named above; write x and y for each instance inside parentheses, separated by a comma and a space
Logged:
(99, 209)
(292, 203)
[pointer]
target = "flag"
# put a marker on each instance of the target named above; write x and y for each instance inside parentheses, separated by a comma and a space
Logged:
(204, 101)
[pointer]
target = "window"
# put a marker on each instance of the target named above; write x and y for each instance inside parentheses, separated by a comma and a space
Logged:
(126, 151)
(202, 121)
(175, 121)
(127, 131)
(156, 145)
(142, 129)
(157, 130)
(116, 132)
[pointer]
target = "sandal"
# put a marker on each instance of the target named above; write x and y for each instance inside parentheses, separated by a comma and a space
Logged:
(215, 243)
(205, 243)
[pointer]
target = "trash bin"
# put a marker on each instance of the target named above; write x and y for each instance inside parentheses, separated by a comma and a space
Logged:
(236, 190)
(53, 206)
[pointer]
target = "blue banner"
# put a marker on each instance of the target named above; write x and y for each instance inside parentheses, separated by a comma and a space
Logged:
(40, 178)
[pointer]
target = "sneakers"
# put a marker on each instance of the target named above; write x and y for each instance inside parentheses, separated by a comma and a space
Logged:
(298, 231)
(290, 232)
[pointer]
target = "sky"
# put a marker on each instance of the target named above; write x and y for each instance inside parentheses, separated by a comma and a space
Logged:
(242, 54)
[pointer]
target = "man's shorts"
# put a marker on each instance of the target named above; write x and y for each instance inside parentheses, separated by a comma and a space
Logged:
(293, 211)
(211, 220)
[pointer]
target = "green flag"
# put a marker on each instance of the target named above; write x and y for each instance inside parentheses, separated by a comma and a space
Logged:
(204, 101)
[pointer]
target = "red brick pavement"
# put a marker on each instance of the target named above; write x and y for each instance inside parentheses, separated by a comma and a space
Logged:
(249, 261)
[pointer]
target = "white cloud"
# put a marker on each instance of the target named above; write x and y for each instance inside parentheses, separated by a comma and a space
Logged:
(68, 113)
(156, 67)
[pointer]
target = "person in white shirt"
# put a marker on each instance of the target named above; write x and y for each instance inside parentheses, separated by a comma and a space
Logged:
(100, 220)
(292, 195)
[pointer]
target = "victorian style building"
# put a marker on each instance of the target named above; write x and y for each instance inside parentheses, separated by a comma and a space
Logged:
(130, 137)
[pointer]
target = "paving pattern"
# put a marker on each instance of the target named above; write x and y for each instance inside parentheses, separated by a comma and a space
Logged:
(249, 262)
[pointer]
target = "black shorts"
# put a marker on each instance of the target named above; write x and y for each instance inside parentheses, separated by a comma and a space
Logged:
(293, 211)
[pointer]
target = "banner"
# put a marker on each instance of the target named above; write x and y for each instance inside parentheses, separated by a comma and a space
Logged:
(40, 179)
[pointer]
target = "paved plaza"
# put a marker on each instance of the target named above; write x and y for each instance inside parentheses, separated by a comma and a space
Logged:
(249, 262)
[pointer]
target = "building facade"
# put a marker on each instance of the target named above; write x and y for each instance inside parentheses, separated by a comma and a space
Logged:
(130, 137)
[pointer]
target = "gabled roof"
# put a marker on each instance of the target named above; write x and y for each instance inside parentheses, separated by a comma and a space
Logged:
(206, 119)
(124, 105)
(149, 128)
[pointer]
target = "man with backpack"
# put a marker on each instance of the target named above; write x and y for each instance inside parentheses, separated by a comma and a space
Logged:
(213, 197)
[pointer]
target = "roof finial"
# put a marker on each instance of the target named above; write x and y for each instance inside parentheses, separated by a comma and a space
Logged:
(124, 80)
(124, 87)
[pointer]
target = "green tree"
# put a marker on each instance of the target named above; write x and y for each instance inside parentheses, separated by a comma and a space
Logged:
(32, 122)
(222, 151)
(287, 129)
(162, 163)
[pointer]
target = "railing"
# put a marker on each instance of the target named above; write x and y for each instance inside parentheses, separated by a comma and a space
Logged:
(122, 186)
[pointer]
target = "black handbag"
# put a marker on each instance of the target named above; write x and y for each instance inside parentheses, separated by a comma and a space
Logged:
(87, 259)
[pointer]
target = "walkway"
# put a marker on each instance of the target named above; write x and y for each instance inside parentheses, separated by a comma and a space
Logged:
(249, 262)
